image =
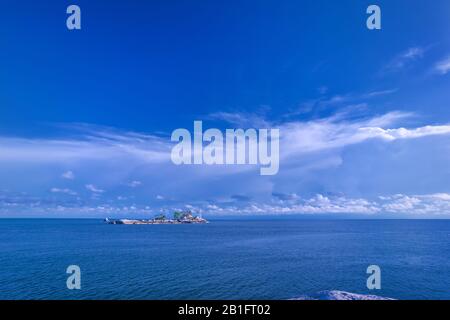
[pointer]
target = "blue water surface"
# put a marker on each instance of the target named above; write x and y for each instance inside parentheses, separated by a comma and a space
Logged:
(276, 259)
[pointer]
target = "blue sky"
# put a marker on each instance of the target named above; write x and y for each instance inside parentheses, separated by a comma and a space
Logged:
(86, 116)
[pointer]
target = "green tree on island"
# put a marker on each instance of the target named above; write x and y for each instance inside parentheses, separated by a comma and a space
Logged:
(177, 215)
(160, 217)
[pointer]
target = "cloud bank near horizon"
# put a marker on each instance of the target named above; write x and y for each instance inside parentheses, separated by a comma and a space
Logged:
(336, 165)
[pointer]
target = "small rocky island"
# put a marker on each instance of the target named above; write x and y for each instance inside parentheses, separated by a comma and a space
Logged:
(178, 218)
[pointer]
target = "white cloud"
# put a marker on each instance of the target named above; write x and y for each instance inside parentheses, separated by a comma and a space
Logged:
(297, 137)
(427, 205)
(443, 66)
(68, 175)
(437, 204)
(241, 120)
(66, 191)
(380, 93)
(314, 156)
(438, 196)
(348, 103)
(402, 204)
(134, 184)
(430, 204)
(91, 144)
(93, 188)
(402, 133)
(404, 59)
(325, 134)
(412, 53)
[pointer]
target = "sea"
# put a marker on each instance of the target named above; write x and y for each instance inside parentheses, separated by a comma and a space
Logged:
(225, 259)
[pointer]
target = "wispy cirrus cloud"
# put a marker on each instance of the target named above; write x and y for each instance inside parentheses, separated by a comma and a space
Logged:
(403, 133)
(442, 67)
(241, 120)
(335, 131)
(93, 188)
(380, 93)
(340, 103)
(134, 184)
(404, 59)
(64, 190)
(86, 143)
(313, 136)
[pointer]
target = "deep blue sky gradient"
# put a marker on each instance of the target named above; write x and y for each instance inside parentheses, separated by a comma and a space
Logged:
(157, 65)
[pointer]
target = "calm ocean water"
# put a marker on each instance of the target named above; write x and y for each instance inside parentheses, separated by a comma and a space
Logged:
(224, 259)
